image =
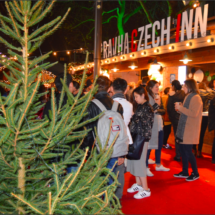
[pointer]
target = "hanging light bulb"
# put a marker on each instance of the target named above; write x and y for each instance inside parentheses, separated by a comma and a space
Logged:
(185, 60)
(115, 69)
(68, 52)
(155, 65)
(132, 66)
(55, 53)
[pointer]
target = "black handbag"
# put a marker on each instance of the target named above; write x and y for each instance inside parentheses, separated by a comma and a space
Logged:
(135, 150)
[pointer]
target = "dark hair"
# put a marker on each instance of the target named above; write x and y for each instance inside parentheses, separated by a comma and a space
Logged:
(103, 83)
(211, 84)
(58, 83)
(150, 84)
(76, 85)
(176, 84)
(166, 91)
(145, 79)
(120, 84)
(140, 91)
(88, 83)
(191, 85)
(202, 85)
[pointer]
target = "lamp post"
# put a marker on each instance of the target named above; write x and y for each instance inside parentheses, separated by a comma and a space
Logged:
(97, 38)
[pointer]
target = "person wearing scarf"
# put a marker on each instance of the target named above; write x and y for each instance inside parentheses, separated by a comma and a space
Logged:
(188, 131)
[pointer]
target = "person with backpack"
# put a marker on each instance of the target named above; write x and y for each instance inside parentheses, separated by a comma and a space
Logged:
(112, 111)
(141, 124)
(119, 87)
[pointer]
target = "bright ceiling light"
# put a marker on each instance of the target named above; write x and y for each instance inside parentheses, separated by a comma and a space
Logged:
(185, 60)
(115, 69)
(132, 66)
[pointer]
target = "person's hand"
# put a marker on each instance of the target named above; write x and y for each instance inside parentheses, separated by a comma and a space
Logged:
(120, 161)
(177, 106)
(158, 100)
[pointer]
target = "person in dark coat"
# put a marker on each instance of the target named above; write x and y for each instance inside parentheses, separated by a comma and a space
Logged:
(103, 96)
(176, 95)
(211, 124)
(206, 97)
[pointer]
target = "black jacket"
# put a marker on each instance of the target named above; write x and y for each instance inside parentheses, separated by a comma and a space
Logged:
(211, 115)
(173, 114)
(206, 97)
(142, 121)
(93, 111)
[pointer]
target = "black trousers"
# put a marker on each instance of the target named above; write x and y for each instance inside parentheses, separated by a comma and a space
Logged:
(177, 150)
(188, 157)
(167, 131)
(204, 126)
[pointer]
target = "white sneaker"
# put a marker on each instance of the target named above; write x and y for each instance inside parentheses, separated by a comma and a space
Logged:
(134, 188)
(150, 161)
(149, 173)
(162, 168)
(142, 194)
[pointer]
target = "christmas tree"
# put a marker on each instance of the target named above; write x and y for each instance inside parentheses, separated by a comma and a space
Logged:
(29, 181)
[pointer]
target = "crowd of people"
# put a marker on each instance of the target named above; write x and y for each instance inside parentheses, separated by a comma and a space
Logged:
(142, 113)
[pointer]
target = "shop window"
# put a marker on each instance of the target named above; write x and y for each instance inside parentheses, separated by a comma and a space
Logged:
(182, 70)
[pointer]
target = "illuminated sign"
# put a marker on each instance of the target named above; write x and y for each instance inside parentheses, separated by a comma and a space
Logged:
(120, 45)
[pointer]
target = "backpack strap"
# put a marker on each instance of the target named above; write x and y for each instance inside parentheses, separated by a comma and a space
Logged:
(115, 106)
(99, 104)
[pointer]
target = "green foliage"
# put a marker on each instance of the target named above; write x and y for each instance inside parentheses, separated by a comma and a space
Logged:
(34, 153)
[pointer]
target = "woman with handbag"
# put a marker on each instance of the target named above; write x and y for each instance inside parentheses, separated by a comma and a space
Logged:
(141, 129)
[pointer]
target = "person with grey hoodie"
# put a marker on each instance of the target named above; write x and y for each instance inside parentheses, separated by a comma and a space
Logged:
(206, 97)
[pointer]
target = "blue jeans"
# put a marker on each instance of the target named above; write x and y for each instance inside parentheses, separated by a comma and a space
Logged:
(110, 165)
(157, 151)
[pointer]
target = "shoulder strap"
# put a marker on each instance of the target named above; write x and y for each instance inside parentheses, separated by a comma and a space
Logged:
(115, 106)
(99, 104)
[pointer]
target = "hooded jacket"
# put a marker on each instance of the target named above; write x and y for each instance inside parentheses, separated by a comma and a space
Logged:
(173, 114)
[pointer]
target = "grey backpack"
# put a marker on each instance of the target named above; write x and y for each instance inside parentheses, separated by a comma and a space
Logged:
(120, 146)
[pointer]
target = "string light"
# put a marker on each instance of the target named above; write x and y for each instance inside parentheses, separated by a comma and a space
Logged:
(55, 53)
(210, 40)
(189, 44)
(68, 52)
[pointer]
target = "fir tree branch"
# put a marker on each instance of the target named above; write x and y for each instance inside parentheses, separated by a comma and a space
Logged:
(17, 6)
(44, 28)
(44, 13)
(36, 13)
(9, 45)
(79, 169)
(3, 158)
(41, 38)
(36, 5)
(28, 104)
(53, 108)
(11, 16)
(22, 6)
(27, 203)
(15, 12)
